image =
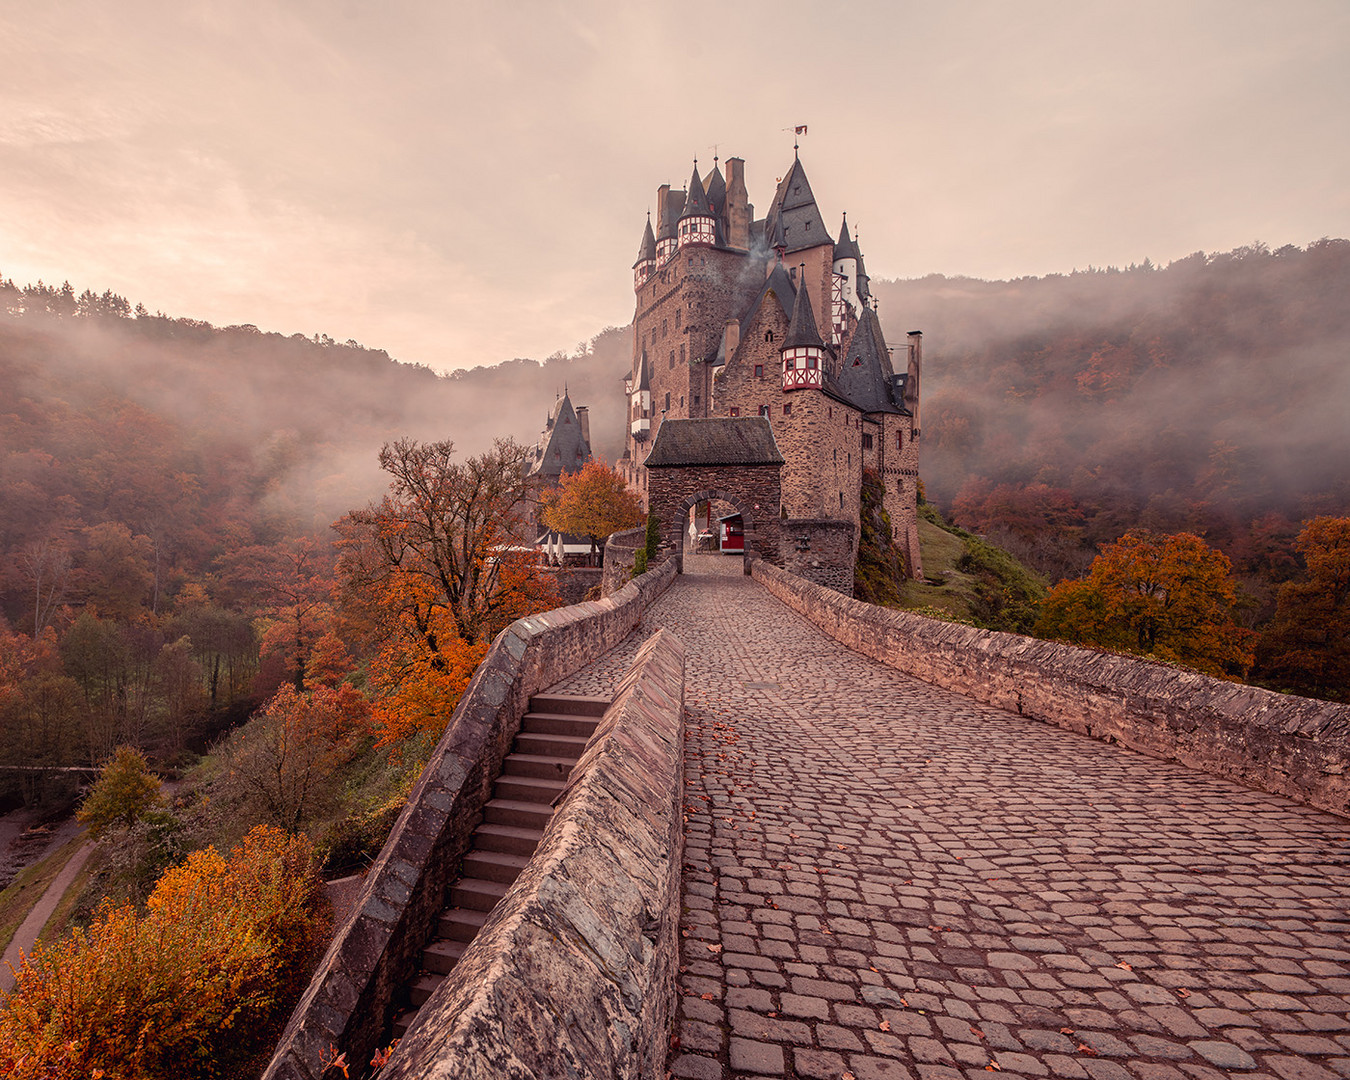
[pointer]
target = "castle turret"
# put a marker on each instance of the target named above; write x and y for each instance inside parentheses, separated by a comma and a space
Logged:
(640, 404)
(803, 351)
(646, 260)
(698, 225)
(846, 262)
(668, 204)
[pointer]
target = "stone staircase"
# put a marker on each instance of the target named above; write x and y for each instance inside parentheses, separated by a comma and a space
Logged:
(552, 736)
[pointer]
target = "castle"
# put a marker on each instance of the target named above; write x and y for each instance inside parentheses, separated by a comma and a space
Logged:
(772, 317)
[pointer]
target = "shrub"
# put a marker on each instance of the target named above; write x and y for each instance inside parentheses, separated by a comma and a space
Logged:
(195, 987)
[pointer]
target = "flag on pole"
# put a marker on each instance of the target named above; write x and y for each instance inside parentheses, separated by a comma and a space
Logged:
(801, 129)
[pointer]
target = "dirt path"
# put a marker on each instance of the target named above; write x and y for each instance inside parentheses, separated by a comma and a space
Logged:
(27, 934)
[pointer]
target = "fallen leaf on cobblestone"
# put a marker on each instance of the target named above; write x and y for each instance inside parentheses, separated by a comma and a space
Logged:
(885, 1025)
(848, 1076)
(993, 1066)
(1084, 1048)
(706, 997)
(1183, 992)
(1066, 1031)
(714, 948)
(977, 1033)
(1124, 966)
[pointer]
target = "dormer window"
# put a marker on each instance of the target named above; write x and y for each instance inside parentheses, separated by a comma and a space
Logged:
(768, 335)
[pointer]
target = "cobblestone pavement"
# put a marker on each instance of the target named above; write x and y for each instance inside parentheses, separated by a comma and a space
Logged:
(884, 879)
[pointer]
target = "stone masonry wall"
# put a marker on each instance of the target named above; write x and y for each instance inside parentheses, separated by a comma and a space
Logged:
(1288, 745)
(620, 553)
(823, 552)
(350, 996)
(574, 972)
(753, 489)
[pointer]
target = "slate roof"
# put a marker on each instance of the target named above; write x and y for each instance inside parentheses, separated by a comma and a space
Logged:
(668, 215)
(844, 247)
(794, 207)
(646, 249)
(696, 205)
(644, 373)
(780, 285)
(802, 329)
(717, 190)
(564, 450)
(736, 440)
(865, 374)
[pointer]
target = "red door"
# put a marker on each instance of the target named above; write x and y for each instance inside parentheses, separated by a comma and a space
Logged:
(733, 533)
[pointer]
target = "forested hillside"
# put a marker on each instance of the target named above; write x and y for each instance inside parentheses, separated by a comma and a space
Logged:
(1211, 396)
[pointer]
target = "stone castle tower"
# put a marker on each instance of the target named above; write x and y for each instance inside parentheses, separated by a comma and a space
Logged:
(745, 316)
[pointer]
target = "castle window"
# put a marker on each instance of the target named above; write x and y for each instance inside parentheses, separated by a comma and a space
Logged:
(681, 354)
(695, 400)
(677, 318)
(787, 408)
(899, 440)
(735, 411)
(759, 371)
(672, 359)
(681, 401)
(768, 335)
(763, 410)
(841, 500)
(667, 401)
(829, 413)
(850, 459)
(867, 442)
(664, 328)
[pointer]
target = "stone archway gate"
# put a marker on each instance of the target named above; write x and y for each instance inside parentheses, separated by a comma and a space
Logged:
(734, 459)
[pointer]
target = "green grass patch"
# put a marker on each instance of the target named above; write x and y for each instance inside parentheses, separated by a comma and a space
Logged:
(28, 888)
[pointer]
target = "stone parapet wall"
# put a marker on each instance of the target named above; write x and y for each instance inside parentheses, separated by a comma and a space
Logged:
(1280, 743)
(574, 972)
(620, 552)
(349, 1000)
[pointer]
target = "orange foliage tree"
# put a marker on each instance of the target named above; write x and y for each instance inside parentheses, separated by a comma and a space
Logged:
(1172, 597)
(434, 571)
(592, 503)
(195, 987)
(1307, 647)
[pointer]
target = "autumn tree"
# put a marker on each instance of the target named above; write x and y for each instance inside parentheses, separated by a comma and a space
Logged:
(1172, 597)
(592, 503)
(125, 790)
(1307, 647)
(435, 570)
(197, 986)
(277, 767)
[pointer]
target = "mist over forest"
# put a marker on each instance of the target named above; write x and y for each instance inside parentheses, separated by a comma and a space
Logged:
(1058, 412)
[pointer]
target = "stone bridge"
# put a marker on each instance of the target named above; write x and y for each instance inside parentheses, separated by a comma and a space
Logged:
(885, 878)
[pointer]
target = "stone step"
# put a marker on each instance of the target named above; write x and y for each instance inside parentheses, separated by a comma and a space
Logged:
(540, 744)
(521, 813)
(442, 955)
(570, 704)
(422, 987)
(511, 839)
(531, 789)
(540, 766)
(494, 866)
(477, 893)
(559, 724)
(403, 1021)
(460, 924)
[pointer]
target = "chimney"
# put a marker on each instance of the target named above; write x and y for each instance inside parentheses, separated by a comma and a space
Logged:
(584, 419)
(731, 338)
(738, 210)
(915, 367)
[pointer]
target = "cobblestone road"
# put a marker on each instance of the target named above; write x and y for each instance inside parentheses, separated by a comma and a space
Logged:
(884, 879)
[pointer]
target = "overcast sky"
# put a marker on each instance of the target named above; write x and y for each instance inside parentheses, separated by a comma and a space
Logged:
(464, 183)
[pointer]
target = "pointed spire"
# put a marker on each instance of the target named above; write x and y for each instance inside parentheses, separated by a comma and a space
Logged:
(696, 205)
(717, 190)
(778, 238)
(644, 373)
(844, 247)
(647, 248)
(802, 330)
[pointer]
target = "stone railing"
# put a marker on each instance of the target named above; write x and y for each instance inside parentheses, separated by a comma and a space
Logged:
(573, 974)
(620, 553)
(348, 1002)
(1288, 745)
